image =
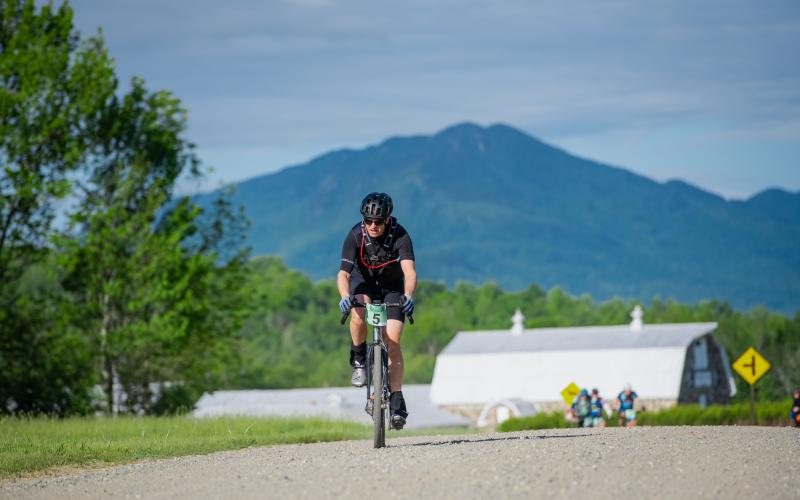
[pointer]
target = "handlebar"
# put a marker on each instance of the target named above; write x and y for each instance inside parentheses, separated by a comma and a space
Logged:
(356, 303)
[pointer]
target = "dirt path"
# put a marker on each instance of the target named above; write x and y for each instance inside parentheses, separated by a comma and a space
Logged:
(655, 462)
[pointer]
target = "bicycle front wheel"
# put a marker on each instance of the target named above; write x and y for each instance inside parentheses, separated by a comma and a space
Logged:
(378, 404)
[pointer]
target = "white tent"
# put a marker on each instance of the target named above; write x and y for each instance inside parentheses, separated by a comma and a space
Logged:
(535, 365)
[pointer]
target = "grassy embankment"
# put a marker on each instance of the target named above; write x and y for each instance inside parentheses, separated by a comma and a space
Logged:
(41, 444)
(739, 414)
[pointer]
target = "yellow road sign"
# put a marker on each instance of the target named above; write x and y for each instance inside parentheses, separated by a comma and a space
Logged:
(751, 366)
(570, 392)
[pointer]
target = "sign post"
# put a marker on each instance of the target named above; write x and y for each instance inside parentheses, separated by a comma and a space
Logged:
(751, 366)
(570, 392)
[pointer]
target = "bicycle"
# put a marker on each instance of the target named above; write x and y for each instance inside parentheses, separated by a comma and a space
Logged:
(377, 367)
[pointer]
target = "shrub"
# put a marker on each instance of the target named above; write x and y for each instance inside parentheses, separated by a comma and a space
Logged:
(768, 413)
(177, 399)
(539, 421)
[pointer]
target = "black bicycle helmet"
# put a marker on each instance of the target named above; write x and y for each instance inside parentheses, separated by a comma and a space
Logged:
(377, 206)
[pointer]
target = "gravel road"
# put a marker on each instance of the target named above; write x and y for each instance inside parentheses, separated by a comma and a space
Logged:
(649, 462)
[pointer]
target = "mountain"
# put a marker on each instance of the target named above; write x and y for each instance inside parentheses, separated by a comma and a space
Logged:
(495, 204)
(778, 204)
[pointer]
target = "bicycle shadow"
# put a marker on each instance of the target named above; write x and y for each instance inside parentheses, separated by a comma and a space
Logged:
(489, 439)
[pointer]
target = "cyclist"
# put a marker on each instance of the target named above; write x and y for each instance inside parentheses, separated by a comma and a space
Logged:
(625, 401)
(378, 263)
(794, 415)
(597, 409)
(582, 409)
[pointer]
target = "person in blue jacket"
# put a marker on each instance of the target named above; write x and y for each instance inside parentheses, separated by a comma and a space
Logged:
(625, 407)
(597, 409)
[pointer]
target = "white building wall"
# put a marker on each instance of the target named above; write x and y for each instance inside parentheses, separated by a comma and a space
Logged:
(655, 373)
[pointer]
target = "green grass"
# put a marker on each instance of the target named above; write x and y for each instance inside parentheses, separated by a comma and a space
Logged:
(41, 444)
(776, 413)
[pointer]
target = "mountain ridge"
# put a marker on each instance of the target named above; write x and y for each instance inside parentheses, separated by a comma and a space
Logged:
(495, 204)
(777, 203)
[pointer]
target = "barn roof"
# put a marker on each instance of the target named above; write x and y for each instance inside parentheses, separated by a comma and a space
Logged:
(577, 338)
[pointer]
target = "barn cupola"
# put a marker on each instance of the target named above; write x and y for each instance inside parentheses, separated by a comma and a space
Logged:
(517, 323)
(636, 319)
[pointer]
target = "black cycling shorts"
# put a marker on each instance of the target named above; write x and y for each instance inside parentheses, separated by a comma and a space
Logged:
(359, 286)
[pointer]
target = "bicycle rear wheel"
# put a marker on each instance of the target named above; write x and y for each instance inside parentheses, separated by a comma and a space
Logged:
(378, 406)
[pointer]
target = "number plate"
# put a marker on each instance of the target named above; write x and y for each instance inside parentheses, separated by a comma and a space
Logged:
(376, 315)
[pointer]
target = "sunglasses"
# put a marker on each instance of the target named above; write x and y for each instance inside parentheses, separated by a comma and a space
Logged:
(374, 222)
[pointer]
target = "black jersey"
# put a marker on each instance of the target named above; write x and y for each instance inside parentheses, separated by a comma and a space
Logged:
(360, 251)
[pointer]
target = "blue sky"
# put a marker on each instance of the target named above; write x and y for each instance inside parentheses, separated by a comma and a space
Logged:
(707, 92)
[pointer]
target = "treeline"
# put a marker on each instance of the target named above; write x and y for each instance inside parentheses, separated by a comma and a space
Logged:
(291, 336)
(130, 303)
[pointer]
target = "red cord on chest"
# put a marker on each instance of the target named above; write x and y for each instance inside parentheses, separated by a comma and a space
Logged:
(361, 254)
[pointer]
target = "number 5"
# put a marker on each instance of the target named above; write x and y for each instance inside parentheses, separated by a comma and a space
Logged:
(376, 318)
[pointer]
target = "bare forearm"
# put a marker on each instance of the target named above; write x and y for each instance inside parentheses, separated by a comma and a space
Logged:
(411, 284)
(343, 283)
(410, 276)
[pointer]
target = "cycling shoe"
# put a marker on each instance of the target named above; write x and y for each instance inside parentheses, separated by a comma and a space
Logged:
(359, 378)
(398, 421)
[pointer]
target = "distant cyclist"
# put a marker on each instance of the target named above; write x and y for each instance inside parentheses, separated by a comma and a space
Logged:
(597, 409)
(794, 415)
(378, 263)
(582, 409)
(625, 403)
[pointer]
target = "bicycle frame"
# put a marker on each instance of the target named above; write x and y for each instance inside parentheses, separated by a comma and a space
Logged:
(377, 341)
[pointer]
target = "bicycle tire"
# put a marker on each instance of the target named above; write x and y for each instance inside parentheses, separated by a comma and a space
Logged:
(378, 406)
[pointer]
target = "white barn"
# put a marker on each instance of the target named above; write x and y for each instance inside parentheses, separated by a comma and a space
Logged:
(665, 363)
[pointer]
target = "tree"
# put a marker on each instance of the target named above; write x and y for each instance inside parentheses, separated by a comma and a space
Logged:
(47, 364)
(52, 89)
(140, 288)
(148, 275)
(135, 162)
